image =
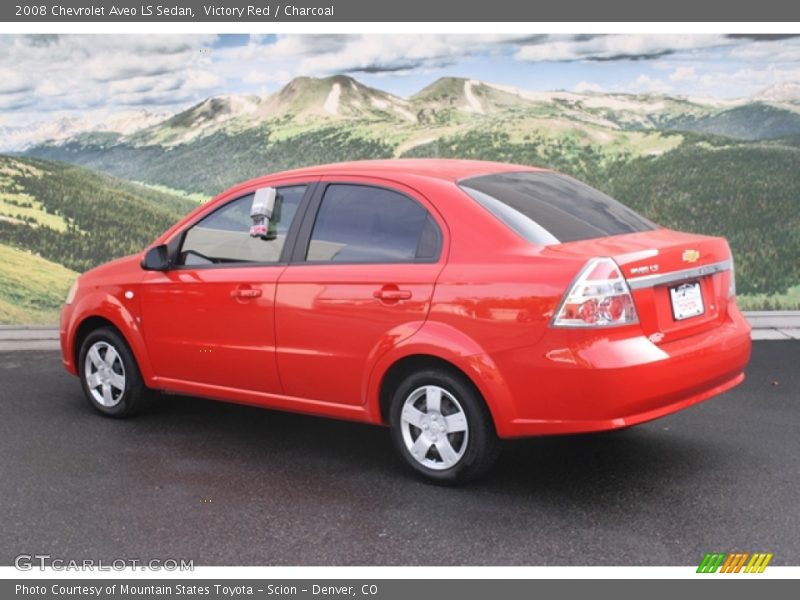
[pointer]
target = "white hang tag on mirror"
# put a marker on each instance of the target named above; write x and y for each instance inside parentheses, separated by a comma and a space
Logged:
(261, 211)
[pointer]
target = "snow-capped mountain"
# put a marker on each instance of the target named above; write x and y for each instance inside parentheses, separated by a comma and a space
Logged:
(308, 102)
(20, 137)
(335, 97)
(780, 94)
(302, 100)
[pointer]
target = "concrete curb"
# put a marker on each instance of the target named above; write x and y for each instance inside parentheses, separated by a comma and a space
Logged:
(28, 337)
(767, 325)
(19, 345)
(774, 324)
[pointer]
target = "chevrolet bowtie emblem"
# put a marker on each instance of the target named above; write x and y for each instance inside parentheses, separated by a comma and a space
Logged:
(690, 256)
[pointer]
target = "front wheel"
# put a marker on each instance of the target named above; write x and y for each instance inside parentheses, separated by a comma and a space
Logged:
(442, 428)
(109, 374)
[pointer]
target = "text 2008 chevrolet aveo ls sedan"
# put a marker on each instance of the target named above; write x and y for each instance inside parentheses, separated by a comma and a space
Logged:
(458, 302)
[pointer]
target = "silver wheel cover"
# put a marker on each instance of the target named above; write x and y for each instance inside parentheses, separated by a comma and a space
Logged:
(104, 374)
(434, 427)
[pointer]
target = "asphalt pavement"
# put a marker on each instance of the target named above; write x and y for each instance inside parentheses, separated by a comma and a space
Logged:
(231, 485)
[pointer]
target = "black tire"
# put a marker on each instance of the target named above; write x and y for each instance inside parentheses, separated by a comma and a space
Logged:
(479, 441)
(135, 395)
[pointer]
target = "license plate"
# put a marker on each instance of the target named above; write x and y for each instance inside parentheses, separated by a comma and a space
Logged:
(687, 300)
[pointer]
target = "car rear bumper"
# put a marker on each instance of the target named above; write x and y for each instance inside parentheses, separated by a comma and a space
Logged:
(609, 383)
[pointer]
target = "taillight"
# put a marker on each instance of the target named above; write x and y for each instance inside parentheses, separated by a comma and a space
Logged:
(600, 297)
(732, 281)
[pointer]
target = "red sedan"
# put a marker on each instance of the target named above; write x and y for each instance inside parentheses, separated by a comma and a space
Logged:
(457, 302)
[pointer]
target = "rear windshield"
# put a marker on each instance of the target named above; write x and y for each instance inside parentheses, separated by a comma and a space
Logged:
(549, 208)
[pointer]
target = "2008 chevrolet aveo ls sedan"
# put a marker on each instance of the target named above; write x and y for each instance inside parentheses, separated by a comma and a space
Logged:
(458, 302)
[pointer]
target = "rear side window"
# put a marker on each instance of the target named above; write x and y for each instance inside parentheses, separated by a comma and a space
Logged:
(365, 224)
(548, 208)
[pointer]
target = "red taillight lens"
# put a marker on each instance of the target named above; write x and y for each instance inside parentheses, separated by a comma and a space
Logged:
(587, 311)
(600, 297)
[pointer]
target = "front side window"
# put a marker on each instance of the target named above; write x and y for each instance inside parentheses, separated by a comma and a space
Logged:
(224, 236)
(364, 224)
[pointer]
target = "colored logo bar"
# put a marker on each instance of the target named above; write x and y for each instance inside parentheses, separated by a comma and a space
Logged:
(737, 562)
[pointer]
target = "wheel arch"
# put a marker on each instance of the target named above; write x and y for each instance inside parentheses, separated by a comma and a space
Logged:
(121, 320)
(399, 370)
(86, 327)
(440, 346)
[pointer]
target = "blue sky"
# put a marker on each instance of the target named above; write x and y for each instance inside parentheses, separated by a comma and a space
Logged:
(43, 77)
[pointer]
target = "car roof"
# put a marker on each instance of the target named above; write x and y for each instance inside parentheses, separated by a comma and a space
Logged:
(434, 168)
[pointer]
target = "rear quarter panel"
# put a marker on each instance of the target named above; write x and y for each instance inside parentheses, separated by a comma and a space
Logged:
(495, 296)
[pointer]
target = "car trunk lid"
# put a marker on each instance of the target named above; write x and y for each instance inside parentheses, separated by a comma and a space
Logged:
(679, 281)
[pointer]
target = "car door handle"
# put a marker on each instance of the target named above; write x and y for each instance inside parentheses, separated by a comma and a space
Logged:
(392, 294)
(246, 293)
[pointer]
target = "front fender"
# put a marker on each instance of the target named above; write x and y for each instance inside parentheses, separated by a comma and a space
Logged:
(111, 305)
(446, 343)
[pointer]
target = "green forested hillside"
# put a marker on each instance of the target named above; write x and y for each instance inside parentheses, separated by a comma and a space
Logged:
(572, 155)
(213, 163)
(751, 122)
(76, 217)
(746, 192)
(723, 168)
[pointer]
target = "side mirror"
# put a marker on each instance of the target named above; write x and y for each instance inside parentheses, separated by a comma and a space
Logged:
(156, 259)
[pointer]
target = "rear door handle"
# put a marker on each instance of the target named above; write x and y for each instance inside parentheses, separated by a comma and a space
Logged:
(392, 294)
(246, 293)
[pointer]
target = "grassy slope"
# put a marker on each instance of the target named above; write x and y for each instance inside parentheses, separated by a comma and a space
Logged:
(789, 300)
(81, 218)
(57, 219)
(751, 122)
(210, 164)
(745, 191)
(32, 289)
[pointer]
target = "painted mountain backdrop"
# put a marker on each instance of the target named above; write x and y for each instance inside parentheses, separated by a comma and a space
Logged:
(719, 167)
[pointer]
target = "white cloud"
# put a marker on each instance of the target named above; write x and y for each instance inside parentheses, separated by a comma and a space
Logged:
(49, 88)
(684, 74)
(381, 53)
(14, 82)
(609, 47)
(17, 101)
(785, 51)
(147, 85)
(586, 86)
(200, 79)
(256, 77)
(45, 74)
(265, 77)
(650, 85)
(746, 81)
(304, 45)
(48, 74)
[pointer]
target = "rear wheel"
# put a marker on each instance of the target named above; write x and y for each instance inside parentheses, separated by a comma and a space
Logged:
(109, 374)
(442, 428)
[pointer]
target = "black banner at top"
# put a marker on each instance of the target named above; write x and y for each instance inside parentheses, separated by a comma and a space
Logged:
(407, 11)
